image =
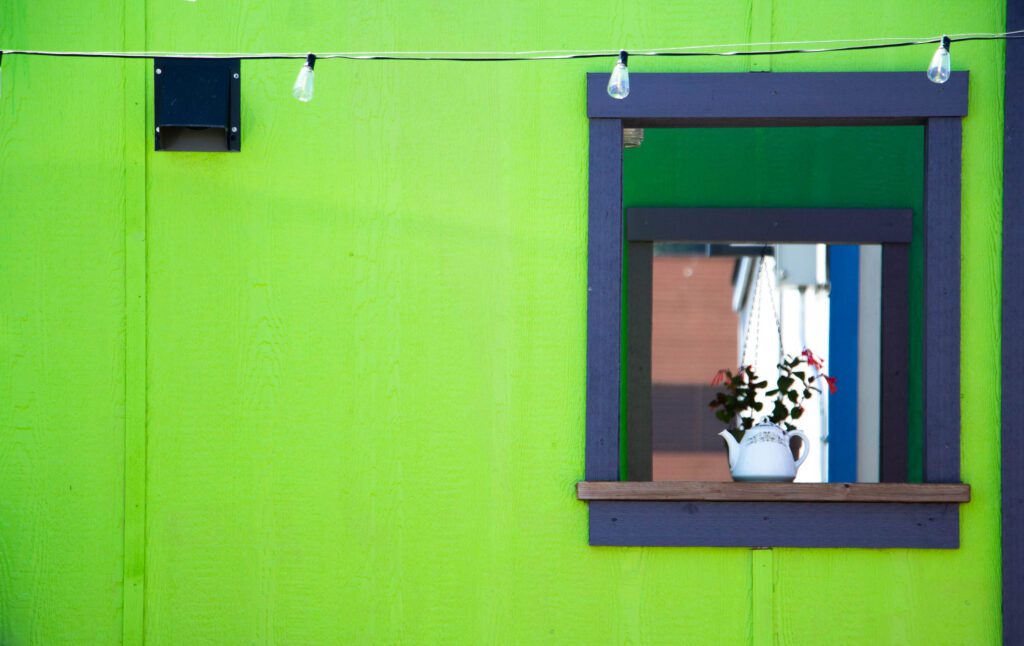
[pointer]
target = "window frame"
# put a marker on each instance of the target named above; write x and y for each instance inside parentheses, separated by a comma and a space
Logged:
(890, 229)
(1012, 404)
(766, 100)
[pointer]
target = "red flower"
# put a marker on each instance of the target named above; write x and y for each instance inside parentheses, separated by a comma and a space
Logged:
(719, 377)
(831, 383)
(812, 360)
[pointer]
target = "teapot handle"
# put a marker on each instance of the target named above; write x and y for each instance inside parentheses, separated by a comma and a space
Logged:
(806, 446)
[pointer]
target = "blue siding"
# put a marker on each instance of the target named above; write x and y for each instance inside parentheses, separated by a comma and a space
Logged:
(844, 276)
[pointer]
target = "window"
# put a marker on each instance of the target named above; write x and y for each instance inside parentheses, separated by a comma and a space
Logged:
(753, 514)
(660, 388)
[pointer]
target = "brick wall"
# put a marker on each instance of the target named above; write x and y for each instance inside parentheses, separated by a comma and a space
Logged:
(693, 326)
(693, 336)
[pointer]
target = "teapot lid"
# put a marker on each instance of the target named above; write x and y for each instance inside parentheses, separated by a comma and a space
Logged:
(767, 421)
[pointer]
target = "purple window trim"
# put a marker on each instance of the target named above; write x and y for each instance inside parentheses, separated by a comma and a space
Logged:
(771, 99)
(1012, 343)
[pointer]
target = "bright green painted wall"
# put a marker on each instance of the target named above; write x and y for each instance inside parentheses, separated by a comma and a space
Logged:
(364, 341)
(878, 167)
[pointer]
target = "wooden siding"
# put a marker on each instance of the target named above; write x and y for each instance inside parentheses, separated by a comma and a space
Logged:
(386, 288)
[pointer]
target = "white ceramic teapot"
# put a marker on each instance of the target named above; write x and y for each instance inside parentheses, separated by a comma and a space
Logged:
(764, 454)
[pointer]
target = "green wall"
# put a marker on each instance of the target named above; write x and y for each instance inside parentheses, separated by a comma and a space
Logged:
(876, 167)
(331, 389)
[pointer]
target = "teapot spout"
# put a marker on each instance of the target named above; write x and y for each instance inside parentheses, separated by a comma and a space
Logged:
(733, 447)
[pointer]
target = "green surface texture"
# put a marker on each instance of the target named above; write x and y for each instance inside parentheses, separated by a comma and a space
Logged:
(330, 390)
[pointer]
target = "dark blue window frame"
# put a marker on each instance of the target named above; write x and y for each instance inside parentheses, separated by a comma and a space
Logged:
(771, 99)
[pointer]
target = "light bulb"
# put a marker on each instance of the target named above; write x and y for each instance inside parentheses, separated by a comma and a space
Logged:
(938, 71)
(303, 88)
(618, 84)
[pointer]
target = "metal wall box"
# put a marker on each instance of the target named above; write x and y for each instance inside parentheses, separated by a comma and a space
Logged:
(197, 104)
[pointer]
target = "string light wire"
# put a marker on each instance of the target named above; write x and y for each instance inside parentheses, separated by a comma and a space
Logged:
(763, 49)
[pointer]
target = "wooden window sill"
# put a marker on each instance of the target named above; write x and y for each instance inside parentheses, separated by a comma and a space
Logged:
(775, 492)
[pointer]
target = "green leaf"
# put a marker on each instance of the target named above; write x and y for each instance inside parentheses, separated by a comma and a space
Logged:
(797, 412)
(779, 412)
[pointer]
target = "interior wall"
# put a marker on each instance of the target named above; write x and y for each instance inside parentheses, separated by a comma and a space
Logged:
(361, 376)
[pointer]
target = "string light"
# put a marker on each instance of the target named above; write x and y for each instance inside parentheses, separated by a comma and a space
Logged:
(618, 83)
(618, 86)
(303, 88)
(939, 69)
(689, 50)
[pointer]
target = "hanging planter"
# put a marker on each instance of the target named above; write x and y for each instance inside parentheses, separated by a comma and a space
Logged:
(762, 452)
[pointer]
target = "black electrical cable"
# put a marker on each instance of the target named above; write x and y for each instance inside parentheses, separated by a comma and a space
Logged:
(514, 58)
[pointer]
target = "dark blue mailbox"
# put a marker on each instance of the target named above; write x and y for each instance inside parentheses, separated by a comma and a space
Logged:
(197, 104)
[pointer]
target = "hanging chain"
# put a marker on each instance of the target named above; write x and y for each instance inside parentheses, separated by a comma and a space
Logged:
(773, 289)
(754, 318)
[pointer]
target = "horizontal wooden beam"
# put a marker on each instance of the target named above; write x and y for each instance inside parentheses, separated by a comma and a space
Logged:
(702, 523)
(775, 225)
(775, 492)
(773, 97)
